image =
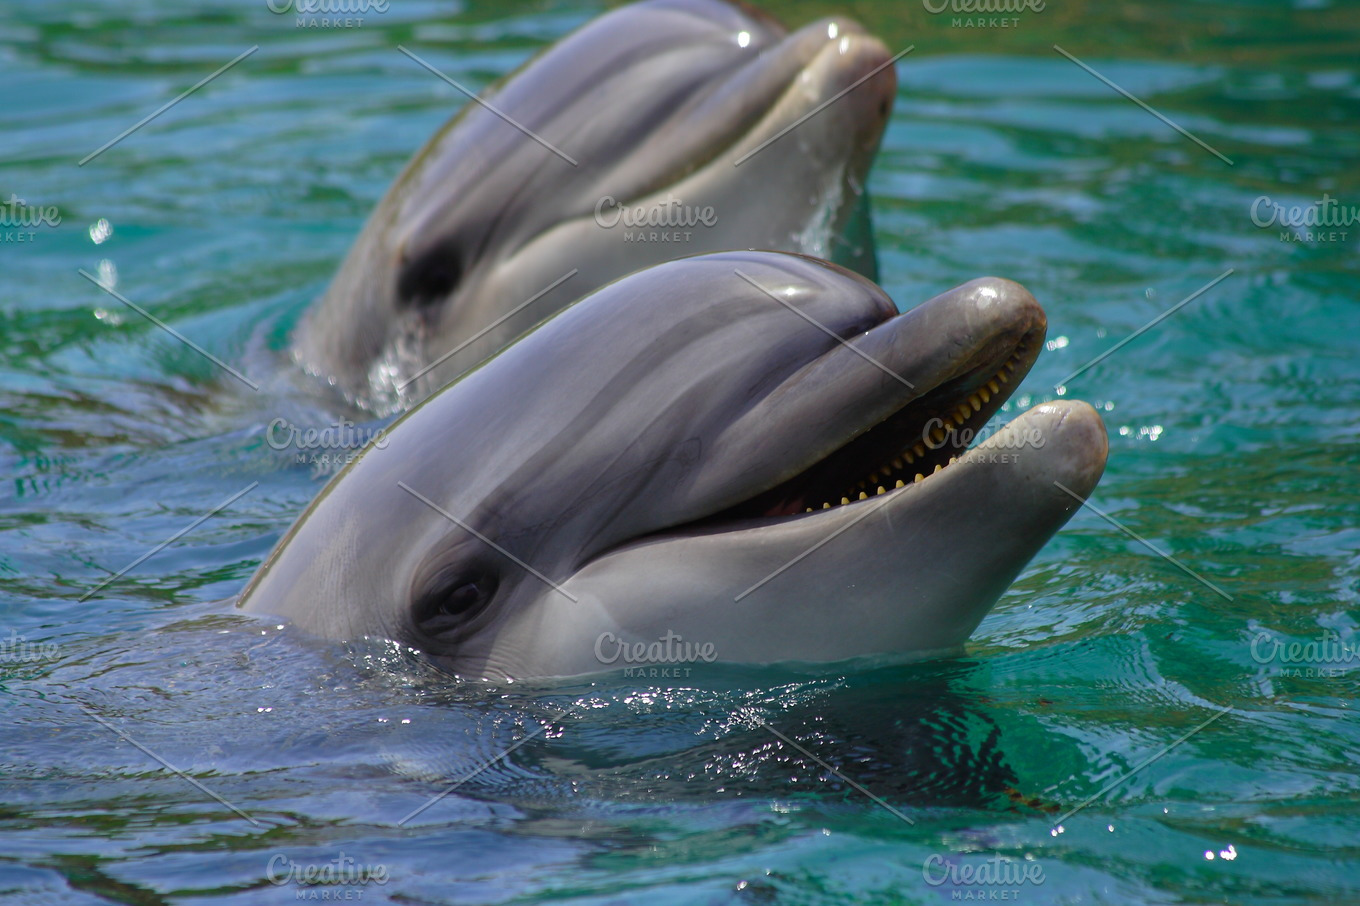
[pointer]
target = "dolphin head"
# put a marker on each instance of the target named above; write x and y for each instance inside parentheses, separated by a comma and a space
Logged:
(661, 129)
(750, 450)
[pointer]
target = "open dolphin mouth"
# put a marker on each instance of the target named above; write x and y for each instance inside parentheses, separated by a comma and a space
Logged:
(929, 431)
(924, 437)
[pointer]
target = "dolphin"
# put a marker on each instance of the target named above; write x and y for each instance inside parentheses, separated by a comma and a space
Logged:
(751, 453)
(659, 130)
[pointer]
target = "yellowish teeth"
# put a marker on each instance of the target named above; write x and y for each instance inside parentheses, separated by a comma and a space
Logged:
(974, 403)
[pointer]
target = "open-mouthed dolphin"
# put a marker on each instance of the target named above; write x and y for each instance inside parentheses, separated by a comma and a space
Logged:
(722, 449)
(659, 130)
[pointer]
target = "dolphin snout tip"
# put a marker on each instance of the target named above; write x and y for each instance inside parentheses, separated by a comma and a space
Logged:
(856, 62)
(1077, 432)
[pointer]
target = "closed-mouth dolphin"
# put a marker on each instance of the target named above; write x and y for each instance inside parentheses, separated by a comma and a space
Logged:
(659, 130)
(749, 451)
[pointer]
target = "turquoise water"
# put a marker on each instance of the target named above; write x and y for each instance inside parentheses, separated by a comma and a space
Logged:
(1234, 429)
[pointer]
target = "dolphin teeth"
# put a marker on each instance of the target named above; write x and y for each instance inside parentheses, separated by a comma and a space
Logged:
(975, 403)
(863, 496)
(919, 450)
(845, 500)
(937, 435)
(900, 484)
(963, 412)
(919, 478)
(993, 386)
(984, 394)
(826, 506)
(938, 467)
(881, 490)
(808, 510)
(897, 463)
(1001, 376)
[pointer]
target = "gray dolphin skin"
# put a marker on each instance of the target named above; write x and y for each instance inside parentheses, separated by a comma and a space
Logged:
(749, 450)
(698, 118)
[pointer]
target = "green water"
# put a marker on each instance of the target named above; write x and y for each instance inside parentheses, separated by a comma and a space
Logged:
(1234, 432)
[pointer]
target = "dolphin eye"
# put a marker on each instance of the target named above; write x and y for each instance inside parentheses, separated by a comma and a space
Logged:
(451, 603)
(429, 278)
